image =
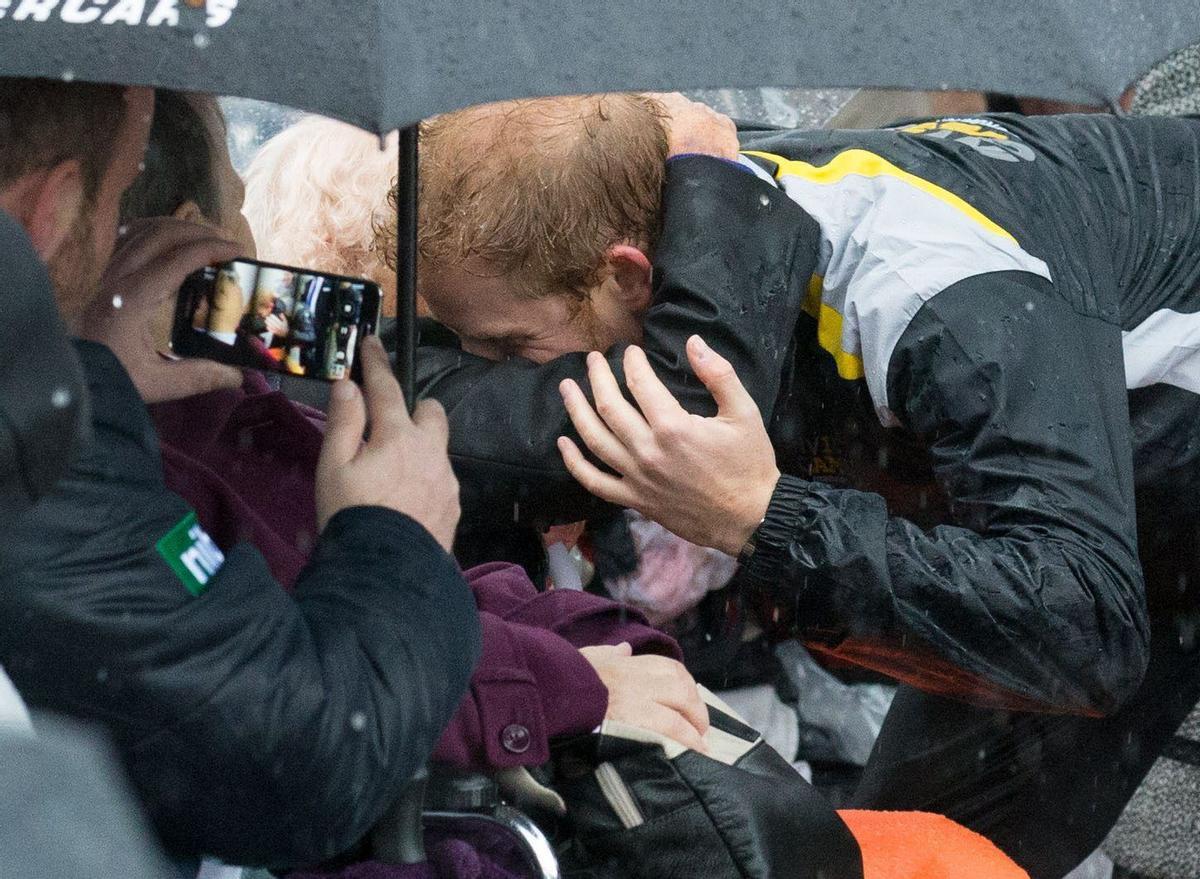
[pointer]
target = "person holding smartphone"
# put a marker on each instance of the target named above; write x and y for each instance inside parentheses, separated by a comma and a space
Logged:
(229, 701)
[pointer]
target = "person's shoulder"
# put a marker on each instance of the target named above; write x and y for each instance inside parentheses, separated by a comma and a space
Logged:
(119, 462)
(789, 143)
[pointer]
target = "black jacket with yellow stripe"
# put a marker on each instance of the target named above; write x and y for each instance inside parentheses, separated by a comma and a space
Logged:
(1016, 301)
(995, 360)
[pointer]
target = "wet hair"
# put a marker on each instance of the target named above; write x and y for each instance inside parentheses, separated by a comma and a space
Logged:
(179, 163)
(46, 122)
(538, 190)
(315, 194)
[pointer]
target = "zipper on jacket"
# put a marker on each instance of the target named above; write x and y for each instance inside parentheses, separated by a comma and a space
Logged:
(619, 797)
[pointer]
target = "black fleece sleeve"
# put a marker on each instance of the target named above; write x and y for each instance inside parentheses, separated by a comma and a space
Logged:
(1033, 598)
(733, 265)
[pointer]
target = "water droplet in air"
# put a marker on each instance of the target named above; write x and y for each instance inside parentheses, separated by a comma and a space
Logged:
(1029, 306)
(358, 721)
(118, 301)
(122, 231)
(68, 76)
(200, 40)
(764, 200)
(61, 398)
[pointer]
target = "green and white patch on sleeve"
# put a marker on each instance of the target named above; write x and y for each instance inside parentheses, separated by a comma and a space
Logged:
(191, 554)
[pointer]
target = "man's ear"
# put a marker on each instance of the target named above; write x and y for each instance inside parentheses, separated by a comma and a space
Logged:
(632, 273)
(191, 212)
(47, 203)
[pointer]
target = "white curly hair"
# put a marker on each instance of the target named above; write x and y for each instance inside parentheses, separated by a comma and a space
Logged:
(315, 194)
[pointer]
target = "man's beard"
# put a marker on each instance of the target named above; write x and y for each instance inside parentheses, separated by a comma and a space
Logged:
(597, 333)
(75, 272)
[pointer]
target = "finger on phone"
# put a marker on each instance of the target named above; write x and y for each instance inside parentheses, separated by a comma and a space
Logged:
(346, 423)
(152, 242)
(168, 270)
(385, 400)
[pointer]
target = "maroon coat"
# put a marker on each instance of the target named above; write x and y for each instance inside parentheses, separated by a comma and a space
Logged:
(245, 461)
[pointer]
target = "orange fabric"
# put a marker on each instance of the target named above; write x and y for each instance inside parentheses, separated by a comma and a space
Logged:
(921, 845)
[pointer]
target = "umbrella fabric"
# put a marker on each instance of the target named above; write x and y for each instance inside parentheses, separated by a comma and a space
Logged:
(383, 64)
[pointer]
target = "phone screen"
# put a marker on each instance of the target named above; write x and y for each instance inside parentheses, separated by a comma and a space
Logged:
(275, 318)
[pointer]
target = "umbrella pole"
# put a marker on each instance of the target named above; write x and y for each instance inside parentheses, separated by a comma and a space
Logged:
(406, 264)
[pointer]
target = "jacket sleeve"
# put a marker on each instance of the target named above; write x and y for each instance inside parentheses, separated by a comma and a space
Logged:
(732, 264)
(530, 686)
(1033, 597)
(258, 727)
(532, 683)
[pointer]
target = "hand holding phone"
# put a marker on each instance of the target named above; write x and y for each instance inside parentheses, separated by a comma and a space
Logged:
(402, 466)
(151, 260)
(277, 318)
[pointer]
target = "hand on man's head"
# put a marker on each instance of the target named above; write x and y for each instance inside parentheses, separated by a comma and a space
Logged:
(693, 127)
(149, 265)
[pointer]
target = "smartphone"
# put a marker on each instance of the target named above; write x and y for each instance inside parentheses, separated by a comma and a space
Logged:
(276, 318)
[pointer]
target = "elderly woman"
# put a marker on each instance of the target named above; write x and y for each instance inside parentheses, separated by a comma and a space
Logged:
(315, 194)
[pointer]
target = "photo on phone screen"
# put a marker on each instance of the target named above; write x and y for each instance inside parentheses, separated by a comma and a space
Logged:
(271, 317)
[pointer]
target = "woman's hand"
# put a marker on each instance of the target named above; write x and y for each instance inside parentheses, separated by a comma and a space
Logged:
(651, 692)
(277, 325)
(693, 127)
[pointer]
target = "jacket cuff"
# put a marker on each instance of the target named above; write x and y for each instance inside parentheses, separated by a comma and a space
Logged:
(734, 162)
(378, 531)
(763, 570)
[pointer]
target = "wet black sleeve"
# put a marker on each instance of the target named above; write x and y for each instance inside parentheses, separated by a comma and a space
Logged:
(1034, 597)
(733, 265)
(257, 726)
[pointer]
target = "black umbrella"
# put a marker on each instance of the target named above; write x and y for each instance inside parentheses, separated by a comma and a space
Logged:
(384, 64)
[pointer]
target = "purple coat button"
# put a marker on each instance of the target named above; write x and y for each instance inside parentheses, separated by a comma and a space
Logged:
(515, 738)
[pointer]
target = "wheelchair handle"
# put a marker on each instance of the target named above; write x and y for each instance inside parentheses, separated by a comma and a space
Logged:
(399, 837)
